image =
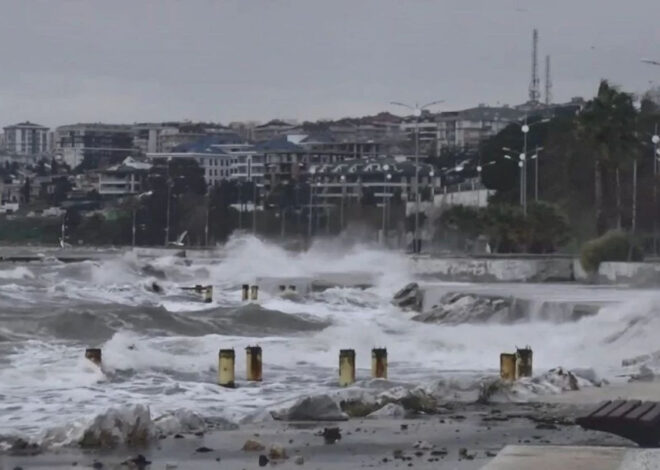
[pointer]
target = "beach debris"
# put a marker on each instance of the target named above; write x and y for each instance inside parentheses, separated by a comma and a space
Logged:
(253, 446)
(138, 462)
(314, 408)
(180, 421)
(97, 465)
(263, 460)
(389, 411)
(464, 455)
(359, 408)
(299, 460)
(546, 426)
(331, 435)
(397, 454)
(423, 445)
(491, 453)
(203, 449)
(277, 452)
(439, 452)
(404, 427)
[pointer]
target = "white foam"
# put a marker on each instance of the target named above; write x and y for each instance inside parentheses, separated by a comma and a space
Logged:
(19, 272)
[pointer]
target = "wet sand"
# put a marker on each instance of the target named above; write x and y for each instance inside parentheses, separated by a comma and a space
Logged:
(482, 430)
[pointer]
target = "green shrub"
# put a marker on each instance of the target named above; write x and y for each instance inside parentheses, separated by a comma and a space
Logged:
(615, 245)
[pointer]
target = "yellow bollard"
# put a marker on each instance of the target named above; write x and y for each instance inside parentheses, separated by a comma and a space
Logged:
(523, 362)
(254, 292)
(379, 363)
(226, 368)
(346, 367)
(507, 366)
(207, 294)
(94, 355)
(253, 363)
(245, 292)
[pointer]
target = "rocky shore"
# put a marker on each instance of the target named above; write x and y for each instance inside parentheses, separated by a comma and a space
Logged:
(455, 435)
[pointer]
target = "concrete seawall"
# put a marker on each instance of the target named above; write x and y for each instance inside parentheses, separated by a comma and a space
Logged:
(541, 269)
(495, 269)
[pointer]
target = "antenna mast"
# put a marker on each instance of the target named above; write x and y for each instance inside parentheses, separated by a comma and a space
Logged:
(534, 85)
(548, 82)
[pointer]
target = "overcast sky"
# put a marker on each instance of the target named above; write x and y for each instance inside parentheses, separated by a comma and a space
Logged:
(138, 60)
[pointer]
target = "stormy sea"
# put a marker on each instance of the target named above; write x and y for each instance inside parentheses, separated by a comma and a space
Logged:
(160, 342)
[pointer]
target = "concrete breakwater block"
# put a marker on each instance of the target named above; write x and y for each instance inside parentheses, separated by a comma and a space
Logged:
(304, 285)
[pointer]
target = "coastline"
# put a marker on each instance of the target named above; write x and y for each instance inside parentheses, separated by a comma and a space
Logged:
(430, 441)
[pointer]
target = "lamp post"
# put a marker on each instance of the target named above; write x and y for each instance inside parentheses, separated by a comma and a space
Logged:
(386, 168)
(208, 216)
(417, 112)
(342, 178)
(240, 205)
(655, 140)
(133, 229)
(318, 212)
(535, 157)
(525, 128)
(311, 201)
(169, 196)
(521, 159)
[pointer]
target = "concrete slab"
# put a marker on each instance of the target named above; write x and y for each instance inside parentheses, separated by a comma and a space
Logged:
(561, 458)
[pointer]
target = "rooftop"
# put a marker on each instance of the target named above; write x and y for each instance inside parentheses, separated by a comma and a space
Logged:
(209, 144)
(26, 124)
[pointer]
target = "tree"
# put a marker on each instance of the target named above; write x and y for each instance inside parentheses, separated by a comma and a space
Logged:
(26, 190)
(608, 124)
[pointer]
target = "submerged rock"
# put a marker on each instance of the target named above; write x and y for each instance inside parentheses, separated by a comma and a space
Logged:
(409, 298)
(456, 308)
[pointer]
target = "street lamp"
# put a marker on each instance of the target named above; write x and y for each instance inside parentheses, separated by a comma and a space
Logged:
(311, 200)
(386, 168)
(655, 140)
(535, 157)
(342, 178)
(417, 112)
(137, 198)
(525, 128)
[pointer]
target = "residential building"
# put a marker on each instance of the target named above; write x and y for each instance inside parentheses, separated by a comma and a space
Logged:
(98, 145)
(349, 180)
(462, 129)
(124, 179)
(273, 129)
(164, 137)
(221, 156)
(26, 138)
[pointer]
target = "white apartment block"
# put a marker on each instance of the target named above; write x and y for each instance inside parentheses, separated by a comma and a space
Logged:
(26, 138)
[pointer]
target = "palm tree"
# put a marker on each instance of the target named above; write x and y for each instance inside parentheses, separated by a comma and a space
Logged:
(607, 125)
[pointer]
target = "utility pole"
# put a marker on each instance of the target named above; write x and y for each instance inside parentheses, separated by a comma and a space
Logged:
(548, 82)
(655, 140)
